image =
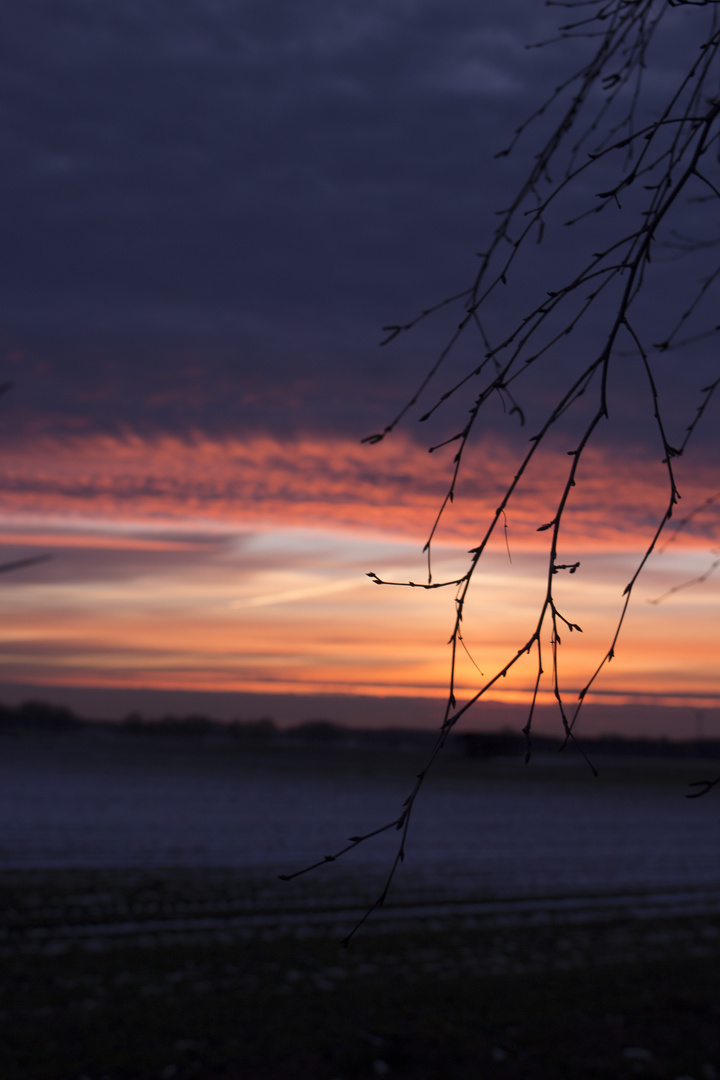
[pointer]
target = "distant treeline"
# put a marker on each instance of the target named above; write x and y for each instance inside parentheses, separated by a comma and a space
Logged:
(40, 716)
(195, 725)
(311, 731)
(492, 744)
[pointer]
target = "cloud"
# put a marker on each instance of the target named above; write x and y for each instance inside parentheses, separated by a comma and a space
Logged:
(167, 493)
(307, 592)
(211, 209)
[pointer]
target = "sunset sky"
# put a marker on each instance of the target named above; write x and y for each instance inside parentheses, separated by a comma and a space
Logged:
(209, 211)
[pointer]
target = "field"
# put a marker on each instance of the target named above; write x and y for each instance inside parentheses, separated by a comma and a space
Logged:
(618, 998)
(548, 925)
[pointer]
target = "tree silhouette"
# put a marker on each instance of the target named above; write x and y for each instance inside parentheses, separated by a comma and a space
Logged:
(627, 159)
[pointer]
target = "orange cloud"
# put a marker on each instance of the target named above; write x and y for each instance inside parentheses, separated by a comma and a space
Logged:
(391, 489)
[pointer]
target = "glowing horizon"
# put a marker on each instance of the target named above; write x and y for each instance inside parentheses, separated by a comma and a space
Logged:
(241, 565)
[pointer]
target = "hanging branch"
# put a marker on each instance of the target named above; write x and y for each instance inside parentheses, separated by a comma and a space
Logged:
(647, 171)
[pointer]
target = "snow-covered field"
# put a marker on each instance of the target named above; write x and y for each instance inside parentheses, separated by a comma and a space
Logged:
(480, 831)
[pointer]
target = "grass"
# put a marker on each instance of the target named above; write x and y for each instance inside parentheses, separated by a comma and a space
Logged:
(552, 1002)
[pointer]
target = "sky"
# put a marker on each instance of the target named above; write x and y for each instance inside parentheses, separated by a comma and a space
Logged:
(209, 211)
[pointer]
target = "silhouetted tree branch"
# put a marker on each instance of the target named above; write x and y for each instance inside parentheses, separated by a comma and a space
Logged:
(628, 153)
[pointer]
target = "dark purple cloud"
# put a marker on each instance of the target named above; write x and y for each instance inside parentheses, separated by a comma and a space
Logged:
(209, 209)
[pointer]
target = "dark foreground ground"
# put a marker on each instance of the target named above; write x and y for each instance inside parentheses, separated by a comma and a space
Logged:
(628, 998)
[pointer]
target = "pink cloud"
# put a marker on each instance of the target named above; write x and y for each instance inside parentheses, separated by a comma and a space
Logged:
(393, 489)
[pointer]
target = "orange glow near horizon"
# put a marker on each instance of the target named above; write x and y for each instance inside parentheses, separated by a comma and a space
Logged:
(235, 565)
